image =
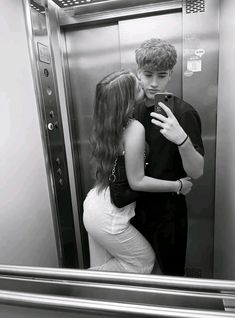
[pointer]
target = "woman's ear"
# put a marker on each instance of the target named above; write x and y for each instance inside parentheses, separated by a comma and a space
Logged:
(138, 74)
(170, 74)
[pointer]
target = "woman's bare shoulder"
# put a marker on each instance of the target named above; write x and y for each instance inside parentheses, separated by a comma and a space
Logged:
(134, 133)
(135, 125)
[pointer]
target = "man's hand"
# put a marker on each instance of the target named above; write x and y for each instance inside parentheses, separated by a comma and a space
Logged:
(170, 128)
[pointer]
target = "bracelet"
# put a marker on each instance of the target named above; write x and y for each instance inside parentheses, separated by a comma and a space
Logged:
(181, 186)
(183, 141)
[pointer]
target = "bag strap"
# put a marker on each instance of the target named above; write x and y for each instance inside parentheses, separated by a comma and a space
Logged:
(112, 176)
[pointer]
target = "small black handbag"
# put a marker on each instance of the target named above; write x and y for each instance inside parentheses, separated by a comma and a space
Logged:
(120, 192)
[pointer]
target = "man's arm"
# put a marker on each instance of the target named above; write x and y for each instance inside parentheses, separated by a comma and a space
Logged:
(192, 160)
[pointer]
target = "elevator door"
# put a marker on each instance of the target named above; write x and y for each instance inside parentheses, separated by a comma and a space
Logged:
(94, 52)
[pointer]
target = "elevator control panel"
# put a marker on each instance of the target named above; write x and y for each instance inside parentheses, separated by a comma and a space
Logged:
(50, 114)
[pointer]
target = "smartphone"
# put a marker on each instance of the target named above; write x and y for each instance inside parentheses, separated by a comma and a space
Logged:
(165, 98)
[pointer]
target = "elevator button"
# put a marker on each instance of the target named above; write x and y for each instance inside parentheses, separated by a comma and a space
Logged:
(52, 114)
(56, 125)
(58, 161)
(59, 172)
(46, 72)
(49, 91)
(50, 126)
(61, 182)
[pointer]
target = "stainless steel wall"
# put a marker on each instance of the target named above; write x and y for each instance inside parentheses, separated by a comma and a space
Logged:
(92, 53)
(87, 60)
(27, 233)
(200, 85)
(56, 49)
(224, 257)
(52, 131)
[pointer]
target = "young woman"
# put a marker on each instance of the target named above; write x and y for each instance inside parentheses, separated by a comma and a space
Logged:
(115, 245)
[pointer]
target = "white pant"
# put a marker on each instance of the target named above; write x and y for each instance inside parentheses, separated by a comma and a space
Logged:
(115, 245)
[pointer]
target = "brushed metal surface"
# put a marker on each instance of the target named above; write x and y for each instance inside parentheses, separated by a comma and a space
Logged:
(87, 64)
(109, 11)
(52, 134)
(56, 46)
(201, 47)
(160, 281)
(212, 300)
(224, 256)
(94, 308)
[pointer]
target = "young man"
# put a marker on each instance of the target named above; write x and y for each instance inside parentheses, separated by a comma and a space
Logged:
(175, 151)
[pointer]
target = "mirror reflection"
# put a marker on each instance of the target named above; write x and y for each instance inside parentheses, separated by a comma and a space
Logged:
(44, 221)
(115, 50)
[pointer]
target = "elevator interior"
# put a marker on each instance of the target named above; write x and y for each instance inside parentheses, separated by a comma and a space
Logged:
(65, 71)
(72, 49)
(36, 237)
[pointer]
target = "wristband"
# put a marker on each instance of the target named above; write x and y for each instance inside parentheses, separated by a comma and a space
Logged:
(183, 141)
(181, 186)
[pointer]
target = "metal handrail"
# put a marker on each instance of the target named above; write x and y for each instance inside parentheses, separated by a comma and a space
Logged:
(77, 304)
(120, 278)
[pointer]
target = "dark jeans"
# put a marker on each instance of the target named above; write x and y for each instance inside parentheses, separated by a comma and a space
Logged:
(162, 219)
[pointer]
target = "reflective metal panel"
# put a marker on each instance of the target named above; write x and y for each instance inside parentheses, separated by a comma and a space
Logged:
(50, 117)
(117, 292)
(37, 305)
(89, 55)
(56, 45)
(224, 256)
(127, 279)
(116, 10)
(92, 53)
(92, 299)
(200, 82)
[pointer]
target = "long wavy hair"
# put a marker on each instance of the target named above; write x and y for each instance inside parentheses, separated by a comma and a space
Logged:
(114, 104)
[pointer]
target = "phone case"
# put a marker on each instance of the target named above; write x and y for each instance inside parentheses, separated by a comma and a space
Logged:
(165, 98)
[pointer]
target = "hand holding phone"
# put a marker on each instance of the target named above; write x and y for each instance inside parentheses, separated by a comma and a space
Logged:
(164, 119)
(165, 98)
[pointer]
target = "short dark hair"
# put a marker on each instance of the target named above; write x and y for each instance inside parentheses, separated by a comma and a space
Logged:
(156, 54)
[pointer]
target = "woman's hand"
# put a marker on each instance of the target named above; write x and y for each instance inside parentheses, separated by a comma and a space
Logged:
(186, 185)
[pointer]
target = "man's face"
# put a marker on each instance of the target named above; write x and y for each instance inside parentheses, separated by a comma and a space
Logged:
(154, 81)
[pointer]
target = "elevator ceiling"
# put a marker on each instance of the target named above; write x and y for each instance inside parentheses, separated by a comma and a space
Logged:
(94, 4)
(73, 3)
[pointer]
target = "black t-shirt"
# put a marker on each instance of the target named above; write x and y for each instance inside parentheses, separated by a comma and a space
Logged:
(164, 160)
